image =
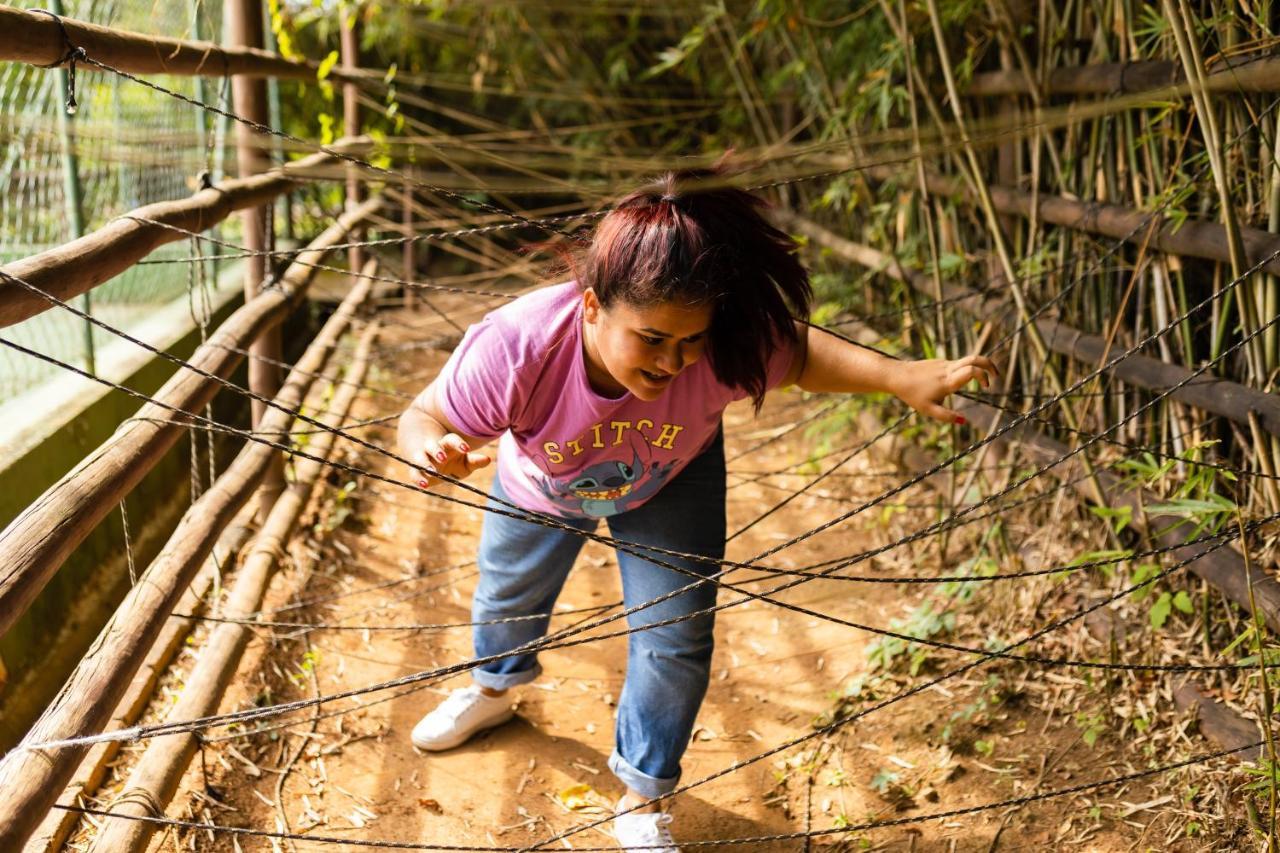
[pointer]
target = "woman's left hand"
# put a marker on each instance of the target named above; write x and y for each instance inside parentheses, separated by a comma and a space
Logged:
(923, 385)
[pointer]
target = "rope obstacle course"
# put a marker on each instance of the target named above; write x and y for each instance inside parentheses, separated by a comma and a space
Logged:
(183, 415)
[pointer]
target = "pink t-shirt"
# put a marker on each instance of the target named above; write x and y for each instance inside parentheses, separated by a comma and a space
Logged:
(564, 449)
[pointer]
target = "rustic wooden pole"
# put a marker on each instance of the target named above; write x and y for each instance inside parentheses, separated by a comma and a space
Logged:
(349, 43)
(1207, 392)
(155, 778)
(36, 543)
(409, 257)
(1117, 78)
(1219, 723)
(73, 268)
(36, 39)
(30, 780)
(1192, 238)
(96, 766)
(1223, 568)
(249, 97)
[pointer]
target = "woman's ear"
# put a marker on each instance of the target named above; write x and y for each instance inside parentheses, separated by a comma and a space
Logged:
(590, 306)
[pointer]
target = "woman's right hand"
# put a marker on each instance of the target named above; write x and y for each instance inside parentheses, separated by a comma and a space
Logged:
(449, 455)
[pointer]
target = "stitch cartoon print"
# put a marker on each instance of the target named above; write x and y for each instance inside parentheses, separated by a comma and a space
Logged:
(609, 487)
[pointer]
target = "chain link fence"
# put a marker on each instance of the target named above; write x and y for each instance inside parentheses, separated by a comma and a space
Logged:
(64, 175)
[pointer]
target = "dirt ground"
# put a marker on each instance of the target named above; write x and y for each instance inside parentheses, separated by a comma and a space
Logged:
(384, 558)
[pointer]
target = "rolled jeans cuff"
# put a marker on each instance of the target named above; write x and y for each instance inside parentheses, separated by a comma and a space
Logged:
(641, 783)
(505, 680)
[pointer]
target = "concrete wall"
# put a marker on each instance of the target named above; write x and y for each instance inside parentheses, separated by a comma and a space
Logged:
(42, 648)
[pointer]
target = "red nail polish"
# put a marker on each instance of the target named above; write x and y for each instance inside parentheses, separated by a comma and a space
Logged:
(422, 484)
(960, 420)
(466, 448)
(440, 457)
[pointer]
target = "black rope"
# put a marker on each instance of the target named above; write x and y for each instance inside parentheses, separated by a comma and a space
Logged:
(74, 54)
(559, 640)
(156, 820)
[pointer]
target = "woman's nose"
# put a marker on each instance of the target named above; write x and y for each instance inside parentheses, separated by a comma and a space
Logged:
(670, 361)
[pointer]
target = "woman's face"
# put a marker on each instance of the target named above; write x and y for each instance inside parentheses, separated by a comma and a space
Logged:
(641, 349)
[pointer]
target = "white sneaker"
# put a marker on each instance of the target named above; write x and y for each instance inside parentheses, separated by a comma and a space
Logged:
(645, 833)
(465, 712)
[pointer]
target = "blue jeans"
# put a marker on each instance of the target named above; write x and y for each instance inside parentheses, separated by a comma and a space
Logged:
(523, 567)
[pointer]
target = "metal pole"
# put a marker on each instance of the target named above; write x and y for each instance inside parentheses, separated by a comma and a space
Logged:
(350, 43)
(73, 195)
(249, 99)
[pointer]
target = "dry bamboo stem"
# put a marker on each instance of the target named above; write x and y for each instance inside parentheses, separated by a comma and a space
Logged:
(59, 824)
(36, 543)
(69, 270)
(37, 39)
(155, 779)
(30, 781)
(1209, 393)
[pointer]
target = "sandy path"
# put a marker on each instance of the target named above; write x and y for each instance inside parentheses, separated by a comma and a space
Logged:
(774, 673)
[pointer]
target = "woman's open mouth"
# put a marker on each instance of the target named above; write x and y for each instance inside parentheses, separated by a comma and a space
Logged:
(658, 379)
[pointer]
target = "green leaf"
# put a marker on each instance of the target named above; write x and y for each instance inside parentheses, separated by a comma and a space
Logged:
(883, 779)
(1160, 610)
(1182, 601)
(1120, 516)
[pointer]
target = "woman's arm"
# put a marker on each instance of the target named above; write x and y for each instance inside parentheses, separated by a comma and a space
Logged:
(428, 439)
(824, 362)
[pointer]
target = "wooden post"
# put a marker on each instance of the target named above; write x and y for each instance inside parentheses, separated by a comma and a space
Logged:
(276, 113)
(350, 44)
(249, 99)
(410, 270)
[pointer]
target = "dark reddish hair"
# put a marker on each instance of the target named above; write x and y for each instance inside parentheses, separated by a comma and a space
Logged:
(691, 238)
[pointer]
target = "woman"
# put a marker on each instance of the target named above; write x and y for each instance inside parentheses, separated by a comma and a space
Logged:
(606, 396)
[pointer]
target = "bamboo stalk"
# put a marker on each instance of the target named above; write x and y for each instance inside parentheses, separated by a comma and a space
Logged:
(73, 268)
(31, 781)
(155, 778)
(36, 543)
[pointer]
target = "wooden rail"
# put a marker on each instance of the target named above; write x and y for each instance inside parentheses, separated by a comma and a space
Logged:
(31, 781)
(1207, 392)
(96, 766)
(75, 267)
(37, 542)
(155, 778)
(1193, 238)
(36, 39)
(1115, 78)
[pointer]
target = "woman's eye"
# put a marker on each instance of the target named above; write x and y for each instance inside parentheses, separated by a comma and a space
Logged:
(650, 340)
